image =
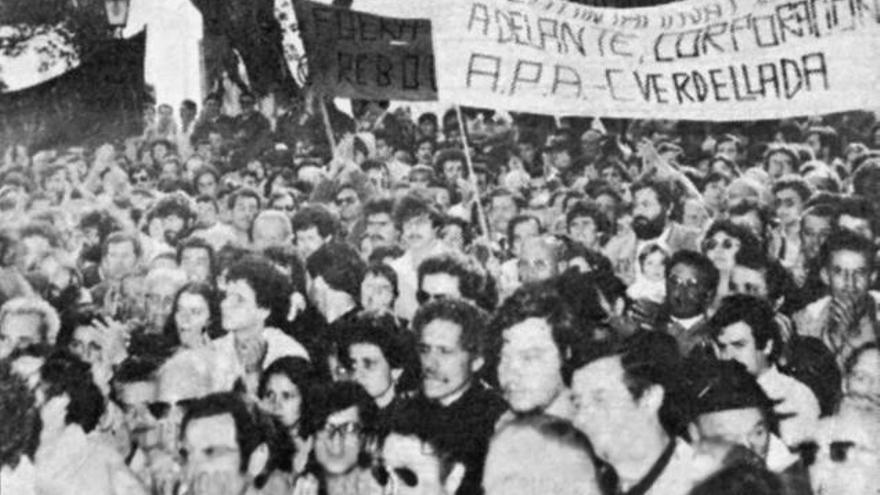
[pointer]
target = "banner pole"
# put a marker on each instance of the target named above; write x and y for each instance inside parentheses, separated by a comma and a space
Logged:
(481, 215)
(327, 127)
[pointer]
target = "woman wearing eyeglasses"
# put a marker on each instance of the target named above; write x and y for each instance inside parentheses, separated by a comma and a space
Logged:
(722, 242)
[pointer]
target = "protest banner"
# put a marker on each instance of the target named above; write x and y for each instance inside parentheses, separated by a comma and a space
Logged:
(352, 54)
(698, 59)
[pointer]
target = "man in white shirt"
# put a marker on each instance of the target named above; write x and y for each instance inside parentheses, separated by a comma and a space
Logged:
(257, 295)
(744, 330)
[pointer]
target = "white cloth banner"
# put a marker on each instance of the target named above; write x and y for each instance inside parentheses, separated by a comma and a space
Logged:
(698, 59)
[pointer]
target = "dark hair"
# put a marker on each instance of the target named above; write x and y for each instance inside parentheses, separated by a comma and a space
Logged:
(340, 266)
(244, 192)
(753, 311)
(19, 419)
(847, 241)
(64, 373)
(822, 210)
(470, 282)
(467, 233)
(724, 385)
(857, 353)
(471, 319)
(749, 244)
(214, 328)
(856, 206)
(247, 432)
(519, 219)
(749, 205)
(288, 258)
(696, 260)
(300, 373)
(785, 150)
(316, 216)
(780, 283)
(428, 430)
(378, 205)
(450, 155)
(413, 206)
(120, 237)
(41, 229)
(740, 479)
(662, 189)
(271, 288)
(539, 300)
(136, 369)
(333, 397)
(195, 242)
(380, 253)
(797, 184)
(588, 209)
(648, 359)
(379, 269)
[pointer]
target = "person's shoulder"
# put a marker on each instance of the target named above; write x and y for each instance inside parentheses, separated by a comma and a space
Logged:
(281, 344)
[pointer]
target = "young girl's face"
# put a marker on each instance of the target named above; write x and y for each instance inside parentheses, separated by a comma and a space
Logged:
(655, 266)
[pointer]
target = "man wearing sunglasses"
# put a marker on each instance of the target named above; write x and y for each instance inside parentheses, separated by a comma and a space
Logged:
(413, 460)
(848, 454)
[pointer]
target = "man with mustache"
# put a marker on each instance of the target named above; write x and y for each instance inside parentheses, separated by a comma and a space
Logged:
(380, 229)
(460, 409)
(653, 201)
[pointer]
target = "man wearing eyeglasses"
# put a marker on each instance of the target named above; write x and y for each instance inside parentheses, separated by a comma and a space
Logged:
(691, 282)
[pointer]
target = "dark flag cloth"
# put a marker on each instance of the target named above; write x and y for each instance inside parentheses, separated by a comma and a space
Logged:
(97, 102)
(248, 28)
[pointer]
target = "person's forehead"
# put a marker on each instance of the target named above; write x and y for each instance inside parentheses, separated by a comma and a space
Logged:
(198, 252)
(380, 217)
(816, 221)
(537, 248)
(348, 415)
(845, 258)
(365, 350)
(138, 392)
(787, 193)
(346, 192)
(376, 279)
(745, 274)
(526, 226)
(603, 373)
(530, 333)
(441, 332)
(729, 420)
(405, 450)
(685, 270)
(86, 333)
(240, 287)
(20, 323)
(739, 331)
(212, 430)
(190, 299)
(440, 280)
(646, 194)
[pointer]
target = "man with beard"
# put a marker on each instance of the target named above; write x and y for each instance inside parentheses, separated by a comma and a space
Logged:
(653, 201)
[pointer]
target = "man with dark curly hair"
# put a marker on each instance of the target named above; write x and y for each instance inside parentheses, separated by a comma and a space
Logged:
(257, 299)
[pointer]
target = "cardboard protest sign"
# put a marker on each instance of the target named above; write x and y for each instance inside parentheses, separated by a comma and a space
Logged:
(697, 59)
(357, 55)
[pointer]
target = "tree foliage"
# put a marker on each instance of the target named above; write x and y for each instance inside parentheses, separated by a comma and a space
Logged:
(67, 29)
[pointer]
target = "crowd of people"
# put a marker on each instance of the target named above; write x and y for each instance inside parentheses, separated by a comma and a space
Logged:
(318, 303)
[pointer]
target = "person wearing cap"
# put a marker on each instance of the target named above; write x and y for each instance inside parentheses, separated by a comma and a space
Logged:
(729, 405)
